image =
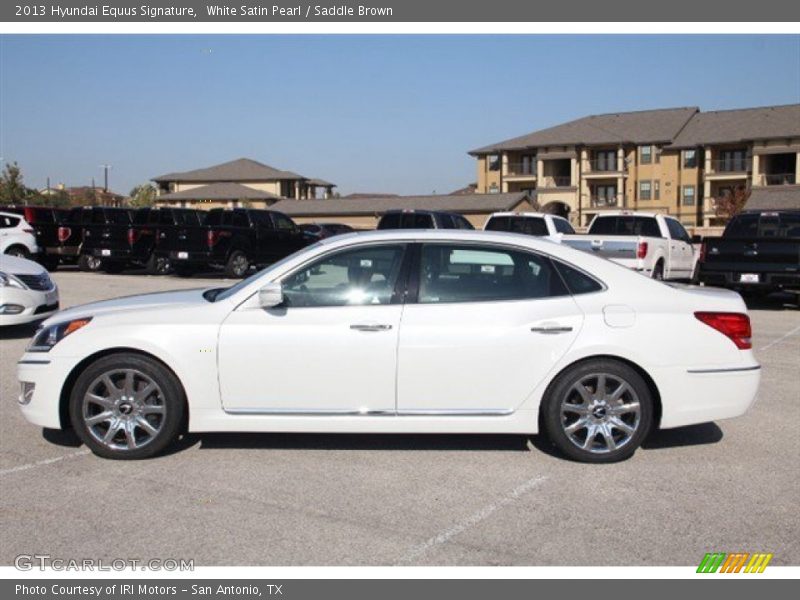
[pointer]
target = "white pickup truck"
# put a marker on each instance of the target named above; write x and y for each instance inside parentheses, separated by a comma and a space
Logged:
(654, 244)
(529, 223)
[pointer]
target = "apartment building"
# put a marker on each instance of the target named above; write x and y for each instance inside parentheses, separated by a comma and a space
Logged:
(238, 182)
(675, 161)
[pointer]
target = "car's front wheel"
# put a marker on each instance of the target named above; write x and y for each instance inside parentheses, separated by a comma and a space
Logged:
(127, 406)
(598, 411)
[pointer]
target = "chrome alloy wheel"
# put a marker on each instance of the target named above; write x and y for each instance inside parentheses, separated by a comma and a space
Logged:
(600, 413)
(240, 265)
(124, 409)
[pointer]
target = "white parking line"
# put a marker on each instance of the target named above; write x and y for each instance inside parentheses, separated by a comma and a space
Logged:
(43, 463)
(780, 339)
(472, 520)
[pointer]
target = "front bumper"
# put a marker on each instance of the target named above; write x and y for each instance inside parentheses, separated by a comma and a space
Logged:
(36, 304)
(47, 374)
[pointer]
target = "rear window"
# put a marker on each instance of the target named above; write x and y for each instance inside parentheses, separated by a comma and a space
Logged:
(214, 217)
(625, 225)
(518, 224)
(142, 216)
(766, 224)
(408, 220)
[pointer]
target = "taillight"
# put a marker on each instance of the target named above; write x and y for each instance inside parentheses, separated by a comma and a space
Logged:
(735, 326)
(702, 256)
(212, 238)
(641, 250)
(64, 233)
(133, 235)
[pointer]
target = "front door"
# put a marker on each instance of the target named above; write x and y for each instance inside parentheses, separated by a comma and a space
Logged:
(489, 325)
(331, 348)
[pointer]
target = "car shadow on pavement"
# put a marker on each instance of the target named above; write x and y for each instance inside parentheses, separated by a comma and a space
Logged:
(19, 332)
(778, 301)
(691, 435)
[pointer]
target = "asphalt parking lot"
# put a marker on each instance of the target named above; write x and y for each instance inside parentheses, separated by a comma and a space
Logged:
(289, 499)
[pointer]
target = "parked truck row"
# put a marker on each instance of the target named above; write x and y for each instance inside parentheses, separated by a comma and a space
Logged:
(759, 251)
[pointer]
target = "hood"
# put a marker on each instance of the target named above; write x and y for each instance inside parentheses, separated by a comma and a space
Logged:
(174, 299)
(20, 266)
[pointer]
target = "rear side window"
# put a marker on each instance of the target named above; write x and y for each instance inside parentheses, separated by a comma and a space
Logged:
(261, 218)
(447, 222)
(577, 282)
(8, 222)
(563, 226)
(468, 273)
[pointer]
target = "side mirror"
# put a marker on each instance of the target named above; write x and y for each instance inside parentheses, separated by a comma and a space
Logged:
(271, 295)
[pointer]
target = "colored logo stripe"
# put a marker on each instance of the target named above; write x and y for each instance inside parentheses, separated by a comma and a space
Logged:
(733, 563)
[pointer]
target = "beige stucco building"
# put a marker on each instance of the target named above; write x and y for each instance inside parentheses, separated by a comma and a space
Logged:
(675, 161)
(235, 183)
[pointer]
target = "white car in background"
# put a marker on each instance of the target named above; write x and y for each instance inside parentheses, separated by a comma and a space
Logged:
(26, 291)
(400, 331)
(529, 223)
(17, 236)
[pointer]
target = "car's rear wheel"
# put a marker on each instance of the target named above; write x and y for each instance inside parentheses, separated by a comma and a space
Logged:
(158, 265)
(127, 406)
(658, 271)
(89, 263)
(599, 411)
(237, 264)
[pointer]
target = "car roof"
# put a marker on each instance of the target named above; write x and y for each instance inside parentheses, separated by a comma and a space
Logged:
(525, 214)
(628, 213)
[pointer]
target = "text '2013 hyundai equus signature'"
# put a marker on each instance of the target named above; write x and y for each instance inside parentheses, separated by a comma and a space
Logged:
(400, 331)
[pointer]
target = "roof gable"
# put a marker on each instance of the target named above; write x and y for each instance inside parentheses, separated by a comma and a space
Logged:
(241, 169)
(746, 124)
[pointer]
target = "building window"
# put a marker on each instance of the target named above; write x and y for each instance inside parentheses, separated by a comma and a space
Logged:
(688, 195)
(656, 154)
(657, 189)
(493, 189)
(605, 160)
(646, 155)
(645, 189)
(690, 159)
(604, 195)
(493, 162)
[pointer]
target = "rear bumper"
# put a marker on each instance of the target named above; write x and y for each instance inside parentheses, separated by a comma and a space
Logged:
(182, 257)
(69, 251)
(704, 394)
(110, 253)
(766, 280)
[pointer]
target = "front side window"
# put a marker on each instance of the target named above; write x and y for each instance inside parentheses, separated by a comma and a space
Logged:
(470, 273)
(355, 277)
(282, 222)
(677, 231)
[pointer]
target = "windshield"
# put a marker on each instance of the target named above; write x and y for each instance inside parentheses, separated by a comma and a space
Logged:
(234, 289)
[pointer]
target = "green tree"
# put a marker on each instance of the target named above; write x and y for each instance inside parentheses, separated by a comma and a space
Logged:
(12, 189)
(143, 195)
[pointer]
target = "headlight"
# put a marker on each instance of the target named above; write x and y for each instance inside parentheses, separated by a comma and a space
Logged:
(48, 337)
(7, 280)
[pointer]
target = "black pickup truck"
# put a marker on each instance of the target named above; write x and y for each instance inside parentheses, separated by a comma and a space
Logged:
(45, 221)
(105, 238)
(231, 239)
(758, 253)
(149, 226)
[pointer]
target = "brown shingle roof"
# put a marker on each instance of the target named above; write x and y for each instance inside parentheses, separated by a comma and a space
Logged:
(722, 126)
(219, 191)
(241, 169)
(462, 203)
(646, 126)
(774, 198)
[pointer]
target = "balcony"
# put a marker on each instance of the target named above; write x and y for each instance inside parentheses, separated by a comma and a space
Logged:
(730, 167)
(556, 181)
(607, 201)
(523, 169)
(776, 179)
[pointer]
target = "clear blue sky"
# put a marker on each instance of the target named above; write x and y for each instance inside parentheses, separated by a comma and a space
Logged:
(371, 113)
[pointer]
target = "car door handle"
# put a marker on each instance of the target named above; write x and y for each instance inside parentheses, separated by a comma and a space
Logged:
(370, 327)
(551, 330)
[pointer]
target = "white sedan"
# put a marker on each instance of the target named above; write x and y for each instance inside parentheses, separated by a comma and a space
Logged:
(26, 291)
(400, 331)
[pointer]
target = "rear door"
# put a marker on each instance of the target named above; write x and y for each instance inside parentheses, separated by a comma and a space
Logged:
(489, 323)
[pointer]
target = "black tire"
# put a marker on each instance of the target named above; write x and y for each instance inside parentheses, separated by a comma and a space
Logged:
(50, 262)
(183, 270)
(170, 396)
(18, 251)
(237, 265)
(562, 393)
(158, 265)
(658, 271)
(113, 266)
(89, 263)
